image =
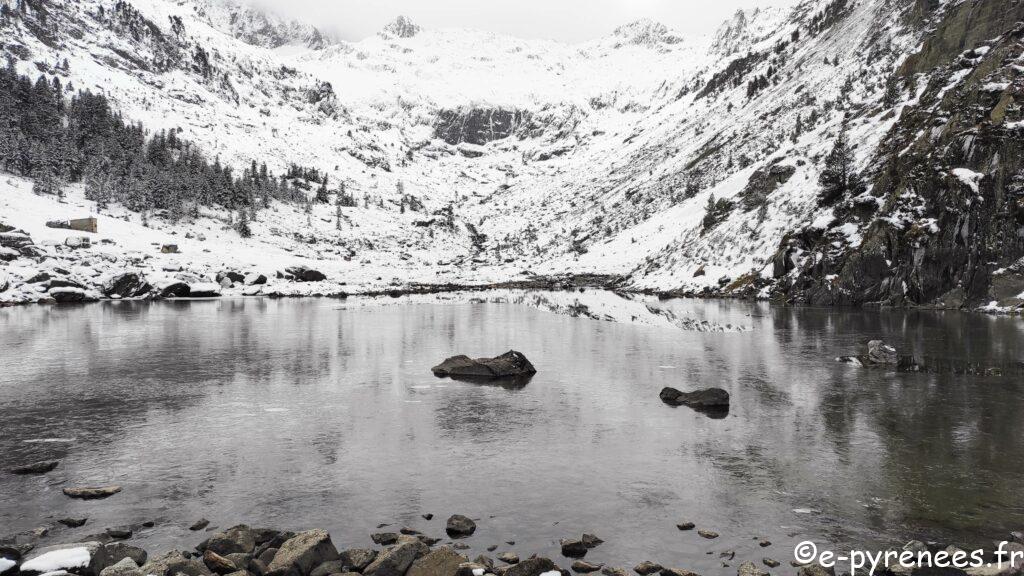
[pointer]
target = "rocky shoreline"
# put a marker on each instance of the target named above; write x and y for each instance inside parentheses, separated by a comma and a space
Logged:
(246, 551)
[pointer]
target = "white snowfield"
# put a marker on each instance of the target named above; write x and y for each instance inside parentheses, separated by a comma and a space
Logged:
(618, 151)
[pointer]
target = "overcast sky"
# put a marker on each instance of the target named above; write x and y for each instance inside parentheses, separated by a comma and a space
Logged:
(566, 20)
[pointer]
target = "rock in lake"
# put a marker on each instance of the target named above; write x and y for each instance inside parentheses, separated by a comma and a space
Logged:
(73, 522)
(531, 567)
(881, 353)
(509, 364)
(646, 568)
(199, 525)
(709, 534)
(749, 569)
(35, 468)
(92, 493)
(710, 398)
(574, 548)
(459, 526)
(584, 567)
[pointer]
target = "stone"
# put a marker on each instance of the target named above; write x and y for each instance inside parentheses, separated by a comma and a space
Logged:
(217, 563)
(114, 552)
(305, 274)
(303, 552)
(573, 548)
(584, 567)
(126, 567)
(646, 568)
(237, 539)
(881, 353)
(509, 364)
(174, 563)
(232, 276)
(73, 522)
(126, 285)
(612, 571)
(428, 517)
(328, 568)
(591, 541)
(770, 562)
(508, 558)
(357, 559)
(97, 493)
(384, 538)
(69, 295)
(35, 468)
(441, 562)
(749, 569)
(531, 567)
(676, 572)
(709, 534)
(686, 526)
(707, 398)
(120, 532)
(176, 290)
(199, 525)
(459, 526)
(395, 560)
(80, 557)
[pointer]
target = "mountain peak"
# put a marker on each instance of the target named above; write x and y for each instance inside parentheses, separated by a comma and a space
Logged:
(401, 27)
(647, 32)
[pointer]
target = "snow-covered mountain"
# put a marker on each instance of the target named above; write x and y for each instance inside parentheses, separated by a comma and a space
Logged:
(681, 164)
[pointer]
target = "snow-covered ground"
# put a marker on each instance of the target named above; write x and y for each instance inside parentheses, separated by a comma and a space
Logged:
(622, 141)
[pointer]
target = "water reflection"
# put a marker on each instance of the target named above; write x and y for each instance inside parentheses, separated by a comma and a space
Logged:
(295, 413)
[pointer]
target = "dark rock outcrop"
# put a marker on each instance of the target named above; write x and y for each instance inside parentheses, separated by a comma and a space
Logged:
(478, 125)
(91, 493)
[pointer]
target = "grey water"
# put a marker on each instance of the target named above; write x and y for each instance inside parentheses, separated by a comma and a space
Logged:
(322, 413)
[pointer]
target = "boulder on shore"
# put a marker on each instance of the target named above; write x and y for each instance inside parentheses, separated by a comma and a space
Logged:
(305, 274)
(303, 552)
(509, 364)
(126, 285)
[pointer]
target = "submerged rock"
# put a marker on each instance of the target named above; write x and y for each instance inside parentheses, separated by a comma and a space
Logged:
(35, 468)
(92, 493)
(881, 353)
(509, 364)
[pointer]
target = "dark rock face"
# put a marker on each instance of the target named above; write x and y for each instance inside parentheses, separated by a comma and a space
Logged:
(459, 526)
(479, 125)
(127, 285)
(709, 398)
(763, 182)
(947, 199)
(305, 274)
(509, 364)
(232, 276)
(401, 27)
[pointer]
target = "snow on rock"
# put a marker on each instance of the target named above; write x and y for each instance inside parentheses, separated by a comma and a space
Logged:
(6, 564)
(59, 559)
(969, 177)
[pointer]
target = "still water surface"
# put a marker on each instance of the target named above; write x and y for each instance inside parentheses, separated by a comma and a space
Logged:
(320, 413)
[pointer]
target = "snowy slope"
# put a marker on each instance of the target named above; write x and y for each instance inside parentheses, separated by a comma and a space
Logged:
(597, 157)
